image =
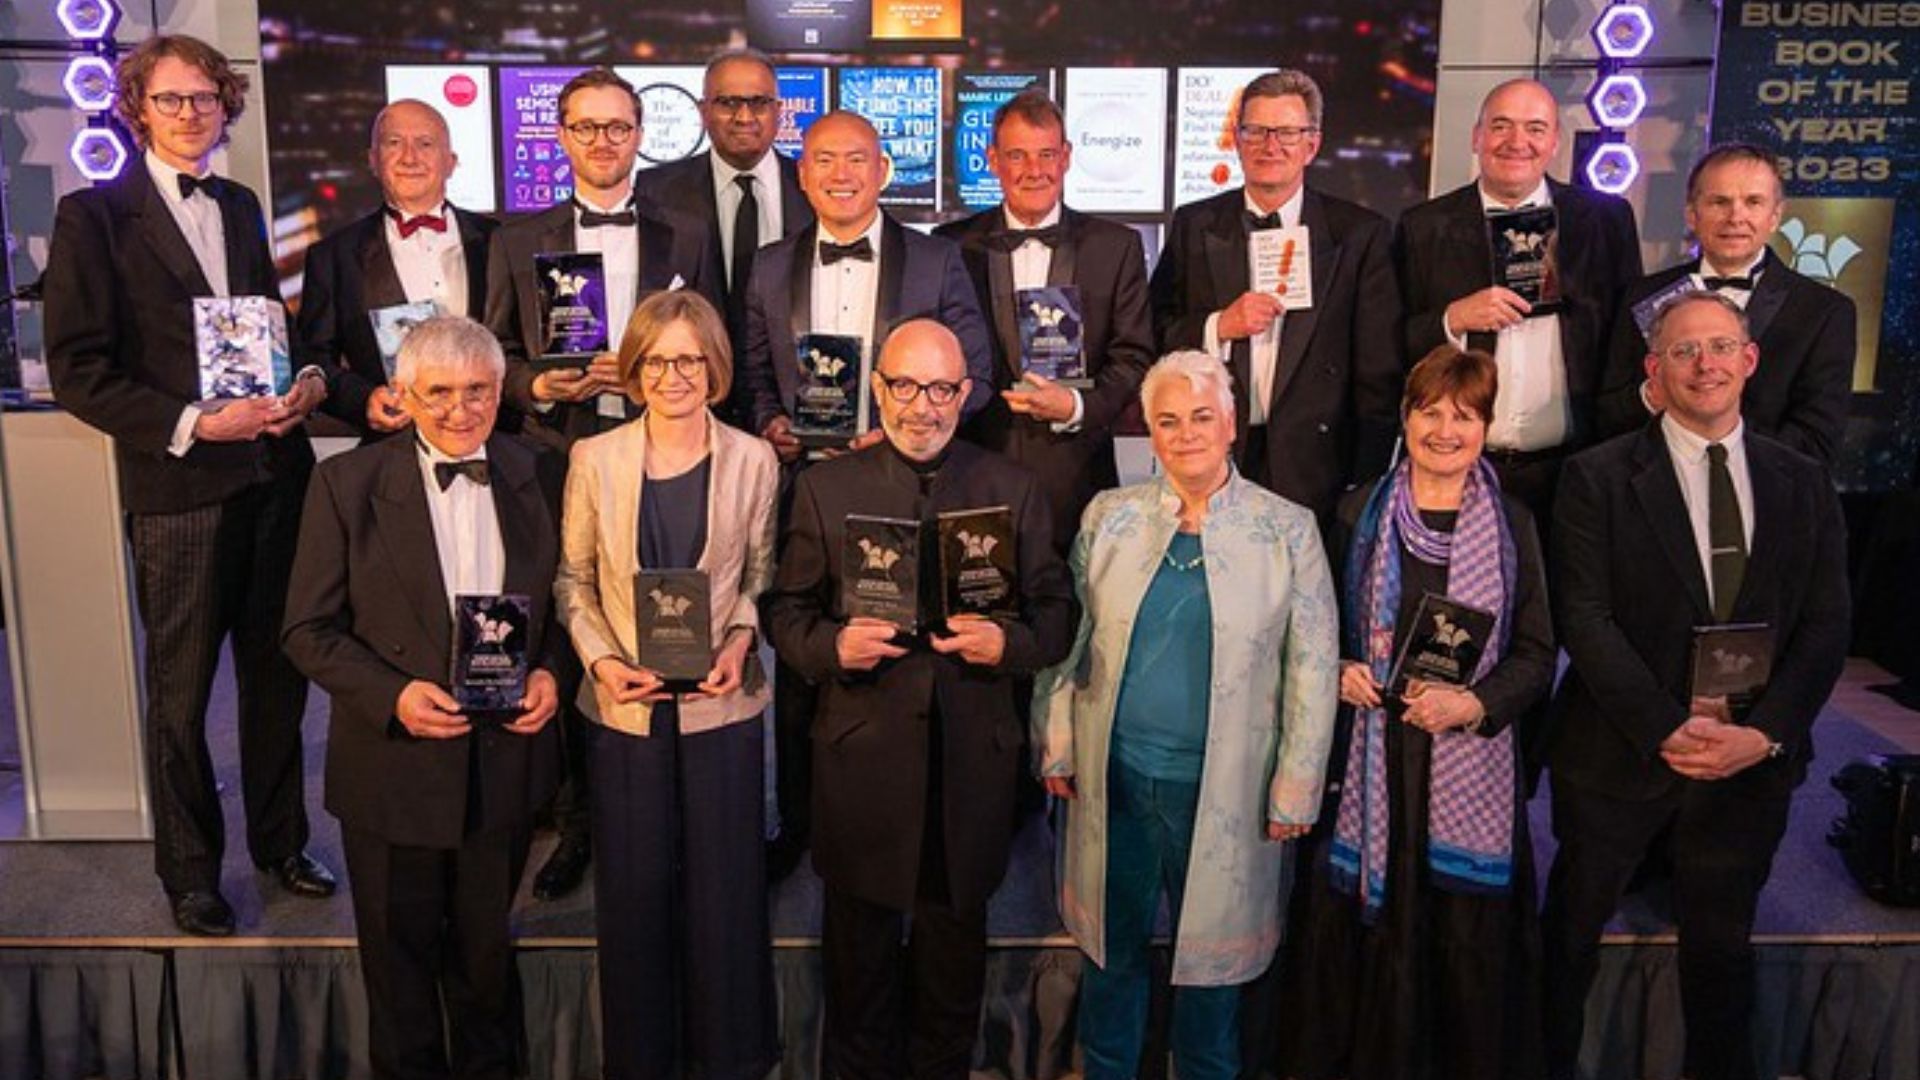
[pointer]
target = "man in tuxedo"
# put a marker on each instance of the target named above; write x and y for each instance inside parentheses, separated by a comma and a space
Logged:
(1549, 361)
(857, 272)
(642, 251)
(212, 489)
(435, 802)
(1692, 521)
(416, 248)
(917, 744)
(1805, 330)
(1316, 390)
(747, 195)
(1064, 434)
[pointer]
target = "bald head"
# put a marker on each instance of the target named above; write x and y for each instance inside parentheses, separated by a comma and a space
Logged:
(1516, 138)
(926, 350)
(412, 155)
(843, 172)
(922, 359)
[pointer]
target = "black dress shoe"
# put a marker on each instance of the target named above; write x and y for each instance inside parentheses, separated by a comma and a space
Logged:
(202, 914)
(564, 869)
(302, 875)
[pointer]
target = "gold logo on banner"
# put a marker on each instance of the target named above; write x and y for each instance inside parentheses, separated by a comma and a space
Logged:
(916, 20)
(1843, 243)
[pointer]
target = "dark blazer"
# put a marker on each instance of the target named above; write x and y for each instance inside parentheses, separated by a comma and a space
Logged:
(1801, 391)
(670, 246)
(351, 272)
(119, 290)
(1335, 408)
(921, 276)
(367, 614)
(1443, 254)
(870, 743)
(1105, 260)
(1628, 589)
(685, 188)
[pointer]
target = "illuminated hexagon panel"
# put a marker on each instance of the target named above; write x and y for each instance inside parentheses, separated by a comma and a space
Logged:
(1623, 31)
(87, 20)
(98, 153)
(1617, 101)
(1613, 168)
(89, 83)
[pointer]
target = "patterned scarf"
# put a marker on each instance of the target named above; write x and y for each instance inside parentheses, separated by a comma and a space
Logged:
(1471, 788)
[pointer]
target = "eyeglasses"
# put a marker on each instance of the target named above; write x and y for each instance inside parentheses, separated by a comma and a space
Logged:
(441, 400)
(903, 390)
(733, 103)
(168, 103)
(1257, 134)
(689, 367)
(616, 131)
(1720, 348)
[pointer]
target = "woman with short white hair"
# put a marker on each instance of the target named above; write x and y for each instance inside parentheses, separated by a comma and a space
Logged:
(1188, 729)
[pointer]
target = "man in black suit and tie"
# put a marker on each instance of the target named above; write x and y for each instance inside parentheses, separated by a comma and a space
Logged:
(1549, 361)
(434, 803)
(1316, 389)
(642, 247)
(1805, 330)
(747, 195)
(1692, 521)
(855, 272)
(917, 745)
(417, 248)
(212, 489)
(1063, 434)
(642, 251)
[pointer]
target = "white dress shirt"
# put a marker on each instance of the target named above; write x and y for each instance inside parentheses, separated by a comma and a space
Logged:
(199, 221)
(466, 529)
(619, 248)
(1750, 271)
(1264, 347)
(1032, 263)
(844, 298)
(1533, 410)
(726, 198)
(431, 265)
(1690, 467)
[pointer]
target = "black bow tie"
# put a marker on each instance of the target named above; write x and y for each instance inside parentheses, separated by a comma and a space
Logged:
(1264, 221)
(1713, 283)
(208, 185)
(593, 219)
(831, 252)
(1014, 239)
(474, 469)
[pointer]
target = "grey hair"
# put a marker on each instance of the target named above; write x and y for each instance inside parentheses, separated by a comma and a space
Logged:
(751, 56)
(1203, 371)
(451, 341)
(1695, 296)
(1286, 82)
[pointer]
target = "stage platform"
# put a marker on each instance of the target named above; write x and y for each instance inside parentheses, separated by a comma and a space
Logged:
(95, 981)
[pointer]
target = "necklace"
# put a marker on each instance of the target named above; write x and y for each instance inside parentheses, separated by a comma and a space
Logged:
(1184, 565)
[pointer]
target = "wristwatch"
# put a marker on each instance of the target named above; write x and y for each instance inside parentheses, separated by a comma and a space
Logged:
(1776, 749)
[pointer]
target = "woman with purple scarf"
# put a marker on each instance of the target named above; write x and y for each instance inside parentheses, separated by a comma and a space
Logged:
(1415, 938)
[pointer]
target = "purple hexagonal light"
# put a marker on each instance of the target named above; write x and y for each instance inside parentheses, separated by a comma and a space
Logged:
(1623, 31)
(89, 83)
(87, 20)
(98, 153)
(1617, 101)
(1613, 168)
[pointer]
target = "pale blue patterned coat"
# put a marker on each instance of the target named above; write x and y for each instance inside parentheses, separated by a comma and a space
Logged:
(1274, 689)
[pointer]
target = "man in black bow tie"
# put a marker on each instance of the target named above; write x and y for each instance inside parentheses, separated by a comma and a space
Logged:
(435, 803)
(212, 489)
(417, 248)
(1317, 376)
(1806, 330)
(1063, 433)
(1549, 360)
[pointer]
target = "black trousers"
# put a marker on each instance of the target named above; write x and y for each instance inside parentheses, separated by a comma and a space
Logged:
(434, 929)
(794, 700)
(200, 576)
(898, 1003)
(573, 799)
(686, 956)
(1723, 846)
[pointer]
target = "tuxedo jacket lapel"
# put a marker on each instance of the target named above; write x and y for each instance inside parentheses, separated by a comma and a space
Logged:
(1296, 327)
(1769, 295)
(473, 248)
(1002, 307)
(1772, 511)
(241, 232)
(800, 289)
(1658, 492)
(1064, 267)
(380, 279)
(406, 529)
(162, 234)
(893, 271)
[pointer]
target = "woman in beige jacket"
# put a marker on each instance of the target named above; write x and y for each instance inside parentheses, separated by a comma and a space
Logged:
(686, 983)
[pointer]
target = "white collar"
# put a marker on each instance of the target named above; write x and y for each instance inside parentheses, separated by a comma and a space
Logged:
(434, 455)
(1289, 211)
(1539, 196)
(766, 170)
(1014, 224)
(871, 235)
(1708, 269)
(163, 175)
(1691, 447)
